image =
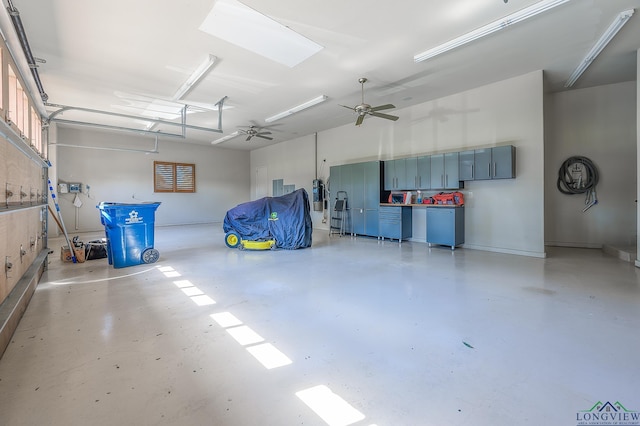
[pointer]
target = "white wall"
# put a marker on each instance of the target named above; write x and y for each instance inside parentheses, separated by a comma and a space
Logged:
(598, 123)
(505, 216)
(222, 179)
(637, 263)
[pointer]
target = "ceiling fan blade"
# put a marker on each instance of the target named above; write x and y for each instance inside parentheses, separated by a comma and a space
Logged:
(263, 133)
(359, 120)
(348, 107)
(387, 116)
(264, 137)
(249, 137)
(381, 107)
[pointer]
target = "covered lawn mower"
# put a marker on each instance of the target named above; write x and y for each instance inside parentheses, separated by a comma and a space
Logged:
(270, 223)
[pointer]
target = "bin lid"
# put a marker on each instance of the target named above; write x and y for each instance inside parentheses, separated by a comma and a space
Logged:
(106, 204)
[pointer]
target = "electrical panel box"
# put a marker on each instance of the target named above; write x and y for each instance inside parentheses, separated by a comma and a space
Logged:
(63, 188)
(75, 188)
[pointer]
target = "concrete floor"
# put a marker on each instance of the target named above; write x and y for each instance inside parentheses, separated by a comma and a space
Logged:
(363, 332)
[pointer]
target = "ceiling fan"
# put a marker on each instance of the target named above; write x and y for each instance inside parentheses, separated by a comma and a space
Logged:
(256, 131)
(363, 109)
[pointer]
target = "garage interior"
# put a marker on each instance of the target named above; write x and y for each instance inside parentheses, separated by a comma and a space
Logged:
(531, 319)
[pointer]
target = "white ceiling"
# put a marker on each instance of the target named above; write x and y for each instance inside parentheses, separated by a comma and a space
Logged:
(121, 55)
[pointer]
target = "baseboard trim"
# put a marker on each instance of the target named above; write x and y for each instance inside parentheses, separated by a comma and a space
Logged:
(541, 255)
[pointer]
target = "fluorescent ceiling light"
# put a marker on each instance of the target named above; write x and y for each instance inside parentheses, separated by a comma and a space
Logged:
(195, 78)
(238, 24)
(308, 104)
(226, 138)
(500, 24)
(602, 42)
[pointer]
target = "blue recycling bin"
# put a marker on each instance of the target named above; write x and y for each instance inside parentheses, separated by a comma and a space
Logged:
(129, 230)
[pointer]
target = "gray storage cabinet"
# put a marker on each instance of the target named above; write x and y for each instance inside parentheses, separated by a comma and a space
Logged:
(424, 172)
(445, 226)
(444, 171)
(418, 170)
(495, 163)
(395, 222)
(395, 174)
(361, 182)
(466, 161)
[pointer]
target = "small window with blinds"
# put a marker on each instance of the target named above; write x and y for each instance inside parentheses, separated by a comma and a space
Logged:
(174, 177)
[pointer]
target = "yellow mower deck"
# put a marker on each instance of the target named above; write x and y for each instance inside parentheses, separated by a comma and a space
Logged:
(257, 245)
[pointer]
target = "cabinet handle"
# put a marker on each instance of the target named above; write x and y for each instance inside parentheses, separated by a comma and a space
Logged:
(447, 180)
(489, 171)
(472, 175)
(494, 169)
(441, 180)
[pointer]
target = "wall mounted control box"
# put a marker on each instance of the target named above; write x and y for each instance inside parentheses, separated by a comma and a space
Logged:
(66, 188)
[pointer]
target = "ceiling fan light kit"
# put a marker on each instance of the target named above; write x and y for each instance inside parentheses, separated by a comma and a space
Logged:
(298, 108)
(602, 42)
(500, 24)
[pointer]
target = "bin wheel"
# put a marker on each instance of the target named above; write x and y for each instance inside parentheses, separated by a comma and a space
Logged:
(232, 239)
(150, 255)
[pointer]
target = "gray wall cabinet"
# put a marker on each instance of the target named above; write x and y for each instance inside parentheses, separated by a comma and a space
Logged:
(424, 172)
(466, 165)
(488, 163)
(411, 173)
(448, 170)
(444, 171)
(408, 173)
(503, 160)
(395, 174)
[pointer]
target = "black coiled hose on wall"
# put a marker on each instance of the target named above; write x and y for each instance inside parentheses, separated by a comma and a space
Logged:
(566, 183)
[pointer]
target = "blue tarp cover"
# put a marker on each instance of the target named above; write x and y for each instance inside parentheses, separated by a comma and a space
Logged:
(286, 219)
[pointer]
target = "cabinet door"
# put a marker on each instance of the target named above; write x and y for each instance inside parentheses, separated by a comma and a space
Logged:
(424, 172)
(390, 220)
(451, 173)
(401, 173)
(389, 175)
(371, 197)
(445, 226)
(466, 166)
(356, 197)
(503, 159)
(437, 171)
(346, 172)
(335, 183)
(411, 172)
(440, 229)
(482, 163)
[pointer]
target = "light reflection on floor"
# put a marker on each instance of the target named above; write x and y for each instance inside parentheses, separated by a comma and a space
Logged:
(331, 408)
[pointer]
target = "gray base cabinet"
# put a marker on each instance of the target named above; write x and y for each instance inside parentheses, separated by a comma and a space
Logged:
(395, 222)
(445, 226)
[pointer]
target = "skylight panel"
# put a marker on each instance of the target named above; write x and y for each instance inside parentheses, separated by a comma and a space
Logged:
(238, 24)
